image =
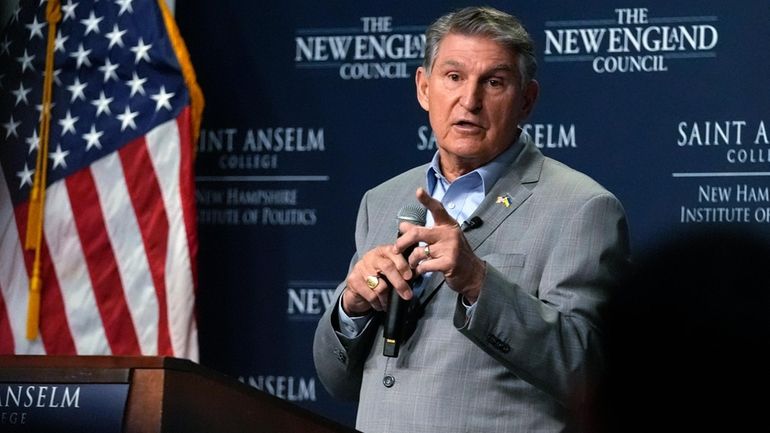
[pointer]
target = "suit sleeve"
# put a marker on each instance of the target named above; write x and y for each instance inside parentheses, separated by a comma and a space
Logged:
(551, 339)
(338, 360)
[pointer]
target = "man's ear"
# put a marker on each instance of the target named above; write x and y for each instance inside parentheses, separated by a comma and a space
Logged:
(531, 91)
(421, 81)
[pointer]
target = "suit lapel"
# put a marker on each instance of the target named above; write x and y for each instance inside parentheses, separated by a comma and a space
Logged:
(509, 192)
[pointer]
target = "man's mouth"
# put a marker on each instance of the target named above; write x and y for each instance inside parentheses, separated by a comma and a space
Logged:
(467, 124)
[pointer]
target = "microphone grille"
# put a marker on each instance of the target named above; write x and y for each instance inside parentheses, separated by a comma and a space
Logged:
(413, 214)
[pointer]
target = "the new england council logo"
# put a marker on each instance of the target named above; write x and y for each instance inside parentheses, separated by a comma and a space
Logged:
(631, 41)
(375, 49)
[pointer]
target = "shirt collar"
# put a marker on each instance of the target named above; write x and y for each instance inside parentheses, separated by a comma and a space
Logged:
(489, 173)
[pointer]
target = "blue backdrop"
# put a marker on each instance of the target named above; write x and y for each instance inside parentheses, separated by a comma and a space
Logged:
(309, 104)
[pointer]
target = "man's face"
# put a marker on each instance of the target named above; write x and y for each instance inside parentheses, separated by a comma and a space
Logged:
(474, 101)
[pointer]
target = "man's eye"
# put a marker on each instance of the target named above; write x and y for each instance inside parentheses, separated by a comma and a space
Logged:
(454, 77)
(493, 82)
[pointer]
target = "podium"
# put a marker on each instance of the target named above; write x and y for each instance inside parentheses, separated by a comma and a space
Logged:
(139, 394)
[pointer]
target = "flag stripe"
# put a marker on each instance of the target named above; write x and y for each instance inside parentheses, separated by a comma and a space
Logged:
(125, 237)
(187, 188)
(54, 333)
(145, 195)
(6, 333)
(13, 276)
(187, 198)
(66, 254)
(163, 144)
(101, 264)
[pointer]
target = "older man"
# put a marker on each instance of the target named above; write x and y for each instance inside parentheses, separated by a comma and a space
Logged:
(507, 314)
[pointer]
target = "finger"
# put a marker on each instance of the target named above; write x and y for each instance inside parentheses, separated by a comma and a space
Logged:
(413, 236)
(420, 254)
(357, 284)
(380, 290)
(396, 272)
(436, 264)
(384, 259)
(355, 304)
(396, 282)
(440, 215)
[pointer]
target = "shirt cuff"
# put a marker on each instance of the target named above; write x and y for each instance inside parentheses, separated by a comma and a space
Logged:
(350, 327)
(469, 309)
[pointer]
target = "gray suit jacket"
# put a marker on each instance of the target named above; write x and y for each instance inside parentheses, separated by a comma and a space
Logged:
(518, 363)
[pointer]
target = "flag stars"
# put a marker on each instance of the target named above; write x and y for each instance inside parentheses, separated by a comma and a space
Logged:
(76, 88)
(68, 123)
(58, 156)
(59, 42)
(15, 17)
(5, 46)
(25, 176)
(56, 73)
(136, 84)
(33, 142)
(102, 104)
(91, 23)
(162, 99)
(115, 36)
(109, 70)
(35, 28)
(127, 119)
(45, 108)
(10, 128)
(21, 94)
(81, 56)
(141, 51)
(125, 5)
(69, 10)
(26, 61)
(92, 138)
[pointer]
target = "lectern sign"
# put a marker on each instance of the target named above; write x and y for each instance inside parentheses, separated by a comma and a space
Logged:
(44, 407)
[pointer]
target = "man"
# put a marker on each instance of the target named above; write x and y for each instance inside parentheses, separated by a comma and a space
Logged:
(509, 320)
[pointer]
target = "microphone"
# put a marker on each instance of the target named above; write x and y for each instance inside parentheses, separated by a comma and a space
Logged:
(471, 224)
(393, 331)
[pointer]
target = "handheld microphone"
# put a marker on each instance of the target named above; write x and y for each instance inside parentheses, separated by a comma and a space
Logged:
(393, 331)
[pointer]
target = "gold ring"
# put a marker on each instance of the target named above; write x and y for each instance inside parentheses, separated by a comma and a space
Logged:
(372, 281)
(426, 250)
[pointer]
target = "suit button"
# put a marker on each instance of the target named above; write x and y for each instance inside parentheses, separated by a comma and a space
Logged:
(388, 381)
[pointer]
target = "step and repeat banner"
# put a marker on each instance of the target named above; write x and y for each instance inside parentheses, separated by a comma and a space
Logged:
(311, 103)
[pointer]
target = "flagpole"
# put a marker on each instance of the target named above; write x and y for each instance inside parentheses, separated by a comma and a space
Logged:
(34, 236)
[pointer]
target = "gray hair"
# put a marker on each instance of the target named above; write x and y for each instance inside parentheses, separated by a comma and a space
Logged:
(498, 26)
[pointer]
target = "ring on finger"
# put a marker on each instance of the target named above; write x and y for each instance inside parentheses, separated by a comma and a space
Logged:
(372, 281)
(426, 250)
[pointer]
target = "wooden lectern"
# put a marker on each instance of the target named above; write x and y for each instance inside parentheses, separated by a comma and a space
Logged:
(152, 394)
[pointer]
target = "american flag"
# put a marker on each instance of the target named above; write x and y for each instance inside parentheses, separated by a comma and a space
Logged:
(119, 240)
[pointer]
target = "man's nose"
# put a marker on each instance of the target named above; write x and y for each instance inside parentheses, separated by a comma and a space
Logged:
(471, 96)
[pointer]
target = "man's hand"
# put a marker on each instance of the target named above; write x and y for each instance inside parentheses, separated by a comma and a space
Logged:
(358, 298)
(450, 252)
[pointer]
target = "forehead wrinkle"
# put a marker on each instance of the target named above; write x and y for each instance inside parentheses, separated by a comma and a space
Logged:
(503, 67)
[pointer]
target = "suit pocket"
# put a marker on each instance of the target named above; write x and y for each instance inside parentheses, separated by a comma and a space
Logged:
(503, 262)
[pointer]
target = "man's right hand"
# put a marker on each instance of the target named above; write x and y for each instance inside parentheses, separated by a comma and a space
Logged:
(358, 298)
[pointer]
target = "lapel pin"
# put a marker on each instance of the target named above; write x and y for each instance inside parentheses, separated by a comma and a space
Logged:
(504, 200)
